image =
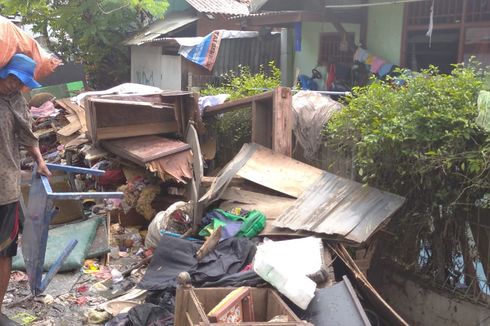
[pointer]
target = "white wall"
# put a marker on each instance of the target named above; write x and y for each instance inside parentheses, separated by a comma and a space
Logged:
(171, 72)
(150, 67)
(146, 66)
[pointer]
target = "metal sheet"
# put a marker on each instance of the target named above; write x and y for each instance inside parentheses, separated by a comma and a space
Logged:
(225, 7)
(337, 305)
(337, 206)
(251, 52)
(172, 22)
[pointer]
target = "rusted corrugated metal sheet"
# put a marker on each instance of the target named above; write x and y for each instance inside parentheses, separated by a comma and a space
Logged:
(173, 22)
(341, 207)
(251, 52)
(225, 7)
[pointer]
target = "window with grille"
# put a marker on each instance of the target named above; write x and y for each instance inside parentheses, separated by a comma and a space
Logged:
(448, 12)
(334, 49)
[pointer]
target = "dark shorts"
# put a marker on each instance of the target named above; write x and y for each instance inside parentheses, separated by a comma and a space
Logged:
(9, 229)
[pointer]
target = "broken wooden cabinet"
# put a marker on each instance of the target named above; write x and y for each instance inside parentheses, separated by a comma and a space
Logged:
(112, 117)
(272, 118)
(193, 306)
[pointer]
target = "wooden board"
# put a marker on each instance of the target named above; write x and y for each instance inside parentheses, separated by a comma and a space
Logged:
(70, 129)
(271, 206)
(279, 172)
(282, 125)
(74, 109)
(144, 149)
(136, 130)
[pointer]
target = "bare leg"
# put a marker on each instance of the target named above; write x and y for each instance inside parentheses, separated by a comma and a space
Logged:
(5, 269)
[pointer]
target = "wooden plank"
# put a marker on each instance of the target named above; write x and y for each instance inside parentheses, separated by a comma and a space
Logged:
(279, 172)
(142, 150)
(282, 121)
(70, 129)
(72, 118)
(262, 123)
(235, 105)
(135, 103)
(73, 108)
(136, 130)
(271, 206)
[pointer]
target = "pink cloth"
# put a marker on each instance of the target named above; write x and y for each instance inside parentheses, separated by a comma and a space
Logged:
(376, 64)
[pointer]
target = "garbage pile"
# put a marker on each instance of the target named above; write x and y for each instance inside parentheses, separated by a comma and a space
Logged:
(263, 241)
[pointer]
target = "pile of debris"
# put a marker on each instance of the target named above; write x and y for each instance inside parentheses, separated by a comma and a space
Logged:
(263, 242)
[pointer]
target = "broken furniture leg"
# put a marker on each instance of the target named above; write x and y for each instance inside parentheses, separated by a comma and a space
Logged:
(37, 217)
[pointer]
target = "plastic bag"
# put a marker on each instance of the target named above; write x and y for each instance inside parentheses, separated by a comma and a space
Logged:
(311, 112)
(483, 119)
(160, 223)
(14, 40)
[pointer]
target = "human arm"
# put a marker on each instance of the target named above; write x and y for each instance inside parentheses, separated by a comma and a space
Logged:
(42, 168)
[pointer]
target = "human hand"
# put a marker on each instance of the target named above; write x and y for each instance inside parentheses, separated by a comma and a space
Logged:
(42, 169)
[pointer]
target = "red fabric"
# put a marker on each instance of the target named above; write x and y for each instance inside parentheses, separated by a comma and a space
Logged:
(112, 178)
(331, 76)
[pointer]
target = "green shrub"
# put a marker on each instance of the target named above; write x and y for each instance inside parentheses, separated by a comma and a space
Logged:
(420, 140)
(235, 128)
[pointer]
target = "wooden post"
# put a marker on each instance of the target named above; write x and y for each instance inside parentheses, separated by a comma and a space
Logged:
(282, 121)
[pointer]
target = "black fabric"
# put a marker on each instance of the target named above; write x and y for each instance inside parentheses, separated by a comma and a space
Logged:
(9, 229)
(149, 314)
(158, 310)
(248, 278)
(175, 255)
(119, 320)
(164, 298)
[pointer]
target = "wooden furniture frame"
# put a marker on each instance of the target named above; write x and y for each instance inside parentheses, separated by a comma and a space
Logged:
(272, 118)
(112, 117)
(192, 306)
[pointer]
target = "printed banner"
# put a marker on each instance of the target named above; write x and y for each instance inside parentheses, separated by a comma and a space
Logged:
(204, 53)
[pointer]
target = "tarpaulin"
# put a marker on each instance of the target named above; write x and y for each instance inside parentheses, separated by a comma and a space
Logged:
(204, 53)
(14, 40)
(175, 255)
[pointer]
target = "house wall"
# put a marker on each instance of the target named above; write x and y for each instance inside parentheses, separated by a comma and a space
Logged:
(384, 31)
(150, 67)
(145, 65)
(421, 305)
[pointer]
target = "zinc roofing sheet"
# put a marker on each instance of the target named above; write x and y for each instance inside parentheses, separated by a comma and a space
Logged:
(225, 7)
(170, 23)
(337, 206)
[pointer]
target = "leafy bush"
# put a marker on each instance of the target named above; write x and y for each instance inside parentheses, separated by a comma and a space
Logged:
(420, 140)
(235, 128)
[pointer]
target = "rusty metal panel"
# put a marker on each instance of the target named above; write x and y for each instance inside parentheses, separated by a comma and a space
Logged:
(225, 7)
(172, 22)
(251, 52)
(337, 206)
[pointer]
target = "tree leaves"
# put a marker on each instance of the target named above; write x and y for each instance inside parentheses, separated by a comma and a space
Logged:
(90, 31)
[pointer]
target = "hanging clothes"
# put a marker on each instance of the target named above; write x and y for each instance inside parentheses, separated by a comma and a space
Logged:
(332, 72)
